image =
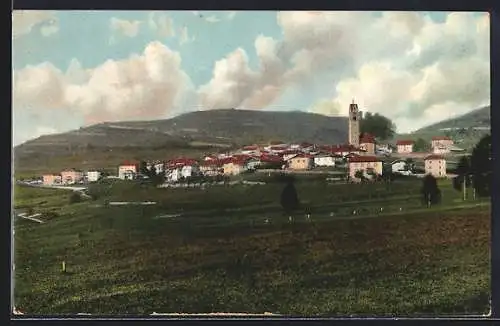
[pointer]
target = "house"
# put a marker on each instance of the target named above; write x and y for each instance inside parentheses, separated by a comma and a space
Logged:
(288, 154)
(159, 167)
(441, 141)
(364, 163)
(71, 176)
(253, 163)
(301, 162)
(435, 165)
(128, 170)
(441, 144)
(235, 167)
(51, 179)
(324, 160)
(210, 168)
(307, 147)
(344, 150)
(398, 166)
(271, 160)
(383, 149)
(249, 150)
(93, 176)
(405, 146)
(367, 143)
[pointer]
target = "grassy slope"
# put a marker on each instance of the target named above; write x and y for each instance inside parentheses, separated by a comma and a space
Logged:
(122, 259)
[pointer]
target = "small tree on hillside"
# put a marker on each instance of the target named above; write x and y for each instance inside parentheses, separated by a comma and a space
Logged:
(289, 197)
(431, 195)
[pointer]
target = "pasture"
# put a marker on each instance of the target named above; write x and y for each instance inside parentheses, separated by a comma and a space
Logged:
(212, 250)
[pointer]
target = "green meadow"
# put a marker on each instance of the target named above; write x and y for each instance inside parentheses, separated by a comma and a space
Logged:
(365, 249)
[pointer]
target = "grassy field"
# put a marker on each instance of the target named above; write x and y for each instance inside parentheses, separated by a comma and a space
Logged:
(221, 256)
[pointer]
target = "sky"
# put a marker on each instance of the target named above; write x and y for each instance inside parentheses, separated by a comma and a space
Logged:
(76, 68)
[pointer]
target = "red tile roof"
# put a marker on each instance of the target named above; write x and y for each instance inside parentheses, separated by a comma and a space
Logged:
(303, 155)
(129, 163)
(405, 142)
(434, 157)
(344, 148)
(360, 159)
(182, 162)
(441, 138)
(270, 158)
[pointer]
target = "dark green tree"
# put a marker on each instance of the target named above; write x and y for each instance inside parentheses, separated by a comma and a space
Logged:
(431, 195)
(481, 167)
(421, 145)
(463, 172)
(379, 126)
(143, 168)
(289, 197)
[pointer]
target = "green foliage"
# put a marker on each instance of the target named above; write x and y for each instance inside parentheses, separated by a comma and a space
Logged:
(431, 195)
(481, 167)
(359, 174)
(421, 145)
(289, 198)
(75, 198)
(379, 126)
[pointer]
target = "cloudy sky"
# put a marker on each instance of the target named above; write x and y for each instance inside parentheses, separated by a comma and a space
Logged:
(75, 68)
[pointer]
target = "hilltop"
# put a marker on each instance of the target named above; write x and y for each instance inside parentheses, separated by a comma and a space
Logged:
(189, 133)
(479, 119)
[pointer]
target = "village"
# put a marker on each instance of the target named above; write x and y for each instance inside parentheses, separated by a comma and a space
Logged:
(360, 158)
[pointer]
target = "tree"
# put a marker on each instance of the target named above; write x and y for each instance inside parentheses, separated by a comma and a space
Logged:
(289, 198)
(75, 198)
(463, 172)
(359, 174)
(143, 168)
(410, 165)
(431, 195)
(377, 125)
(420, 145)
(480, 166)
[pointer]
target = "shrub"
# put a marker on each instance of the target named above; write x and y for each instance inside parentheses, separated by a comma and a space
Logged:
(75, 198)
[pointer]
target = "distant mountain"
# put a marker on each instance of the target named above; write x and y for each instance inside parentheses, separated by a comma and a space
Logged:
(214, 128)
(479, 119)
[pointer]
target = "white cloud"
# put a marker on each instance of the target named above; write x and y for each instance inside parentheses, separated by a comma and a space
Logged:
(145, 86)
(48, 30)
(184, 37)
(125, 27)
(23, 22)
(212, 19)
(231, 15)
(400, 64)
(161, 24)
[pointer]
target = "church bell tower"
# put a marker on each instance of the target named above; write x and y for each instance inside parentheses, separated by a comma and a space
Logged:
(354, 121)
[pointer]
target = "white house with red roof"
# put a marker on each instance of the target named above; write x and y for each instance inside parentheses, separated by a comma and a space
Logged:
(301, 162)
(364, 163)
(367, 143)
(179, 168)
(344, 150)
(435, 165)
(324, 159)
(405, 146)
(441, 144)
(128, 170)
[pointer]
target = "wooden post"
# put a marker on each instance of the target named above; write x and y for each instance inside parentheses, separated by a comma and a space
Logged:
(64, 266)
(464, 187)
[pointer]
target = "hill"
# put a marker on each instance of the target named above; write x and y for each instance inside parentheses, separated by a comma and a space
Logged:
(466, 130)
(193, 132)
(478, 119)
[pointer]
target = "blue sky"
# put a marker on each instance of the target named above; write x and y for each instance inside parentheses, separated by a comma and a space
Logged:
(128, 65)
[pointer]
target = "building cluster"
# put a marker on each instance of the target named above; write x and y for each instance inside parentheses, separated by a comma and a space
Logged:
(361, 153)
(71, 177)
